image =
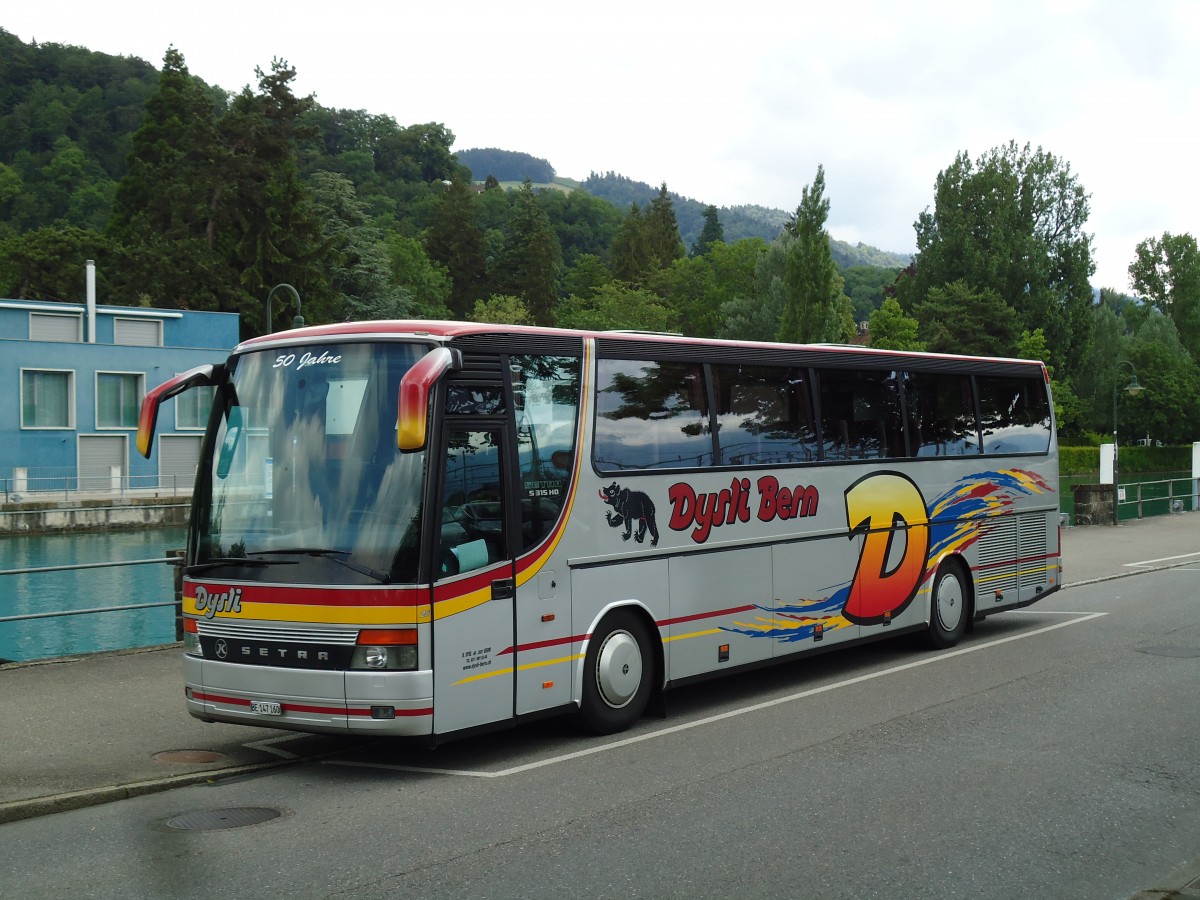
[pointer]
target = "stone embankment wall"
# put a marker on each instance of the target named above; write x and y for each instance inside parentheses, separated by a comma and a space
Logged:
(49, 516)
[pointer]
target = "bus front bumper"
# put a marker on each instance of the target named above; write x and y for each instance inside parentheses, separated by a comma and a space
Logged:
(377, 703)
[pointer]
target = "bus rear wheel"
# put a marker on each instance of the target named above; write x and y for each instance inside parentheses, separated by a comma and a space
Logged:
(949, 606)
(618, 674)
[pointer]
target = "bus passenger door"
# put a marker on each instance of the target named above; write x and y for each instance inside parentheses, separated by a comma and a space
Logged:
(473, 583)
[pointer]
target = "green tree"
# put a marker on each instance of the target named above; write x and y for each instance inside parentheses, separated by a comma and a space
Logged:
(532, 257)
(711, 233)
(49, 264)
(455, 241)
(587, 275)
(815, 309)
(957, 319)
(501, 309)
(359, 268)
(585, 225)
(169, 210)
(1011, 224)
(1166, 271)
(630, 253)
(891, 329)
(663, 242)
(276, 232)
(426, 282)
(617, 305)
(866, 287)
(754, 313)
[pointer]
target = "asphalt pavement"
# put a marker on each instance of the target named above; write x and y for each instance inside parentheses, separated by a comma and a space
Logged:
(91, 729)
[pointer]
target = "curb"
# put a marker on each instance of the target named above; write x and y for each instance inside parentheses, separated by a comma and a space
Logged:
(16, 810)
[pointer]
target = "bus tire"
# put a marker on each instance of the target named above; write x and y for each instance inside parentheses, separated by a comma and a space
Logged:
(949, 606)
(618, 674)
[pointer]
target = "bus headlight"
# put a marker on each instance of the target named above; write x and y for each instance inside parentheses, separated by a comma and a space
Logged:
(390, 649)
(191, 638)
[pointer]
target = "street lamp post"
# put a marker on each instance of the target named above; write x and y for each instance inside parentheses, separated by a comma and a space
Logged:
(1132, 389)
(298, 321)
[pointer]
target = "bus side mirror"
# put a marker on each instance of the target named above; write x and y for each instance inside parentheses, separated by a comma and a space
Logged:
(201, 376)
(412, 407)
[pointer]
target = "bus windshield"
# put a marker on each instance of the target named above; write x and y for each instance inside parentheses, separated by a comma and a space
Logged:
(305, 476)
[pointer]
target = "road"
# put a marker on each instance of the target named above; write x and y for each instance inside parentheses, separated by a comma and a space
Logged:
(1053, 754)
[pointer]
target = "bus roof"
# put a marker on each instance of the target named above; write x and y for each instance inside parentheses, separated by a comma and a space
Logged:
(444, 331)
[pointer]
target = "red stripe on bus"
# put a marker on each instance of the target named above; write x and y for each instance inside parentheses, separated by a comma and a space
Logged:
(300, 707)
(313, 596)
(706, 615)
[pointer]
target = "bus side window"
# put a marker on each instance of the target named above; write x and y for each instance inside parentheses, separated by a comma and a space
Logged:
(860, 414)
(546, 397)
(651, 415)
(941, 415)
(1014, 415)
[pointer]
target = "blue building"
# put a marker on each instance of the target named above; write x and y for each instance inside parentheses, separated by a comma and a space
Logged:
(72, 377)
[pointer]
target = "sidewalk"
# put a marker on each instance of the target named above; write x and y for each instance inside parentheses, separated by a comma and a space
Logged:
(91, 729)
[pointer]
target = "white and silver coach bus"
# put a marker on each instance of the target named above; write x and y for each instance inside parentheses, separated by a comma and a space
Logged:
(425, 528)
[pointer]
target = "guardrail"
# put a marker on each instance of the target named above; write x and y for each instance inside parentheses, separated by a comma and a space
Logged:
(175, 560)
(50, 484)
(1159, 497)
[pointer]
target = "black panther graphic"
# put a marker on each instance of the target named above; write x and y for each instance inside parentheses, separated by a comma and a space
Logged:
(630, 505)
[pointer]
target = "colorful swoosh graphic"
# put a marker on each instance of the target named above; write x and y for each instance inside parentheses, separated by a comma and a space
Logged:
(956, 519)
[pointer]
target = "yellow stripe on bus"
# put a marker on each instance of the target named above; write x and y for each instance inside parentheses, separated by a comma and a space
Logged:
(325, 615)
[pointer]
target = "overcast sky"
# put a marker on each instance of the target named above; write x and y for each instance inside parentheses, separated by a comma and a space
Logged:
(730, 103)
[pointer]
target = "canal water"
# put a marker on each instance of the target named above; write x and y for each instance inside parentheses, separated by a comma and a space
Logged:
(43, 592)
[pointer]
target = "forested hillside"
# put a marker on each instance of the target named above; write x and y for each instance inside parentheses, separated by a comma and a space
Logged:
(189, 196)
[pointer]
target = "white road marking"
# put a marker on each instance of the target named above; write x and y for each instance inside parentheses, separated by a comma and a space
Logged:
(265, 745)
(731, 714)
(1150, 562)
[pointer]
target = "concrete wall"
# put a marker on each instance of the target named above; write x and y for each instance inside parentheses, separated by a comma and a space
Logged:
(45, 517)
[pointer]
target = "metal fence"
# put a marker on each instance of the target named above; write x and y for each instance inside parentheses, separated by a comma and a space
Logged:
(50, 483)
(1174, 493)
(176, 560)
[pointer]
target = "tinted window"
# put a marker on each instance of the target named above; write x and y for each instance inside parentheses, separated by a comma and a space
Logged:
(764, 415)
(941, 415)
(860, 414)
(546, 396)
(651, 415)
(1014, 414)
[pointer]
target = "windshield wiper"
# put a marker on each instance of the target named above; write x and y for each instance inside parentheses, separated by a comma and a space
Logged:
(236, 561)
(334, 555)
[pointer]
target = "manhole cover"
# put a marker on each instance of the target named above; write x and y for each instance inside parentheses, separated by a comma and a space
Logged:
(1174, 652)
(188, 757)
(216, 819)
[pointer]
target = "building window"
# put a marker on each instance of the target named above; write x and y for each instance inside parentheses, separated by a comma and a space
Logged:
(47, 399)
(118, 399)
(51, 327)
(192, 407)
(138, 332)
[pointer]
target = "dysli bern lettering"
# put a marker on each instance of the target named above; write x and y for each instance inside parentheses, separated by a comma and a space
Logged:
(703, 512)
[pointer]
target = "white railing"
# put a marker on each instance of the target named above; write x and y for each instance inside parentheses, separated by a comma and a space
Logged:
(23, 483)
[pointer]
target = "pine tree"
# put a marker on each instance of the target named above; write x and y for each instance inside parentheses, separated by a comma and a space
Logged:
(662, 231)
(815, 309)
(712, 233)
(454, 240)
(532, 257)
(630, 253)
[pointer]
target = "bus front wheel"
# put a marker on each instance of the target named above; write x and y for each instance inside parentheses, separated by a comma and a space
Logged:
(618, 674)
(949, 606)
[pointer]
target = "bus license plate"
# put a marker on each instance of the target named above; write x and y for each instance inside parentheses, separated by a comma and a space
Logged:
(266, 708)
